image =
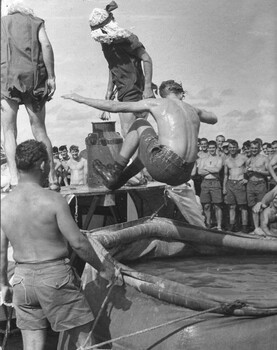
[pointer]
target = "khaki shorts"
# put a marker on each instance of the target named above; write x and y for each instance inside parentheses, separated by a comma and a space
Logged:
(236, 193)
(49, 292)
(211, 191)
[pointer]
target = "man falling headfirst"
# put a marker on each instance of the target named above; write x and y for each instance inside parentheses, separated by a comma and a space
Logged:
(169, 156)
(126, 56)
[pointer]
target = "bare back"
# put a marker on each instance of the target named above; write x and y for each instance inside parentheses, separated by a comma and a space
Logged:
(29, 220)
(178, 126)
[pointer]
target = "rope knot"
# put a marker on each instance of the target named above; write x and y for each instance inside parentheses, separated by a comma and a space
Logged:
(229, 308)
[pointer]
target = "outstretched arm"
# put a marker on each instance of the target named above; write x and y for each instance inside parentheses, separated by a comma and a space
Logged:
(113, 106)
(206, 117)
(48, 58)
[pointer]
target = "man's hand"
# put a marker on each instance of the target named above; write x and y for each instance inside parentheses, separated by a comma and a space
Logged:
(224, 191)
(148, 93)
(72, 97)
(243, 181)
(258, 207)
(7, 293)
(51, 85)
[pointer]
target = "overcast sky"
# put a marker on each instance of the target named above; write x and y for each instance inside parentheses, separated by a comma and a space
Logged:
(223, 51)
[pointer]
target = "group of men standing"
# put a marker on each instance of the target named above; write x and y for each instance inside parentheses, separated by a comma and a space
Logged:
(233, 180)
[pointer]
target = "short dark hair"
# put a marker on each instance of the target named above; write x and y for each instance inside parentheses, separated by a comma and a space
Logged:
(55, 149)
(169, 86)
(204, 139)
(234, 143)
(212, 143)
(72, 147)
(28, 153)
(246, 143)
(63, 148)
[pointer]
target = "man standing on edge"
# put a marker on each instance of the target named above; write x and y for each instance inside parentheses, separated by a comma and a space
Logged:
(169, 157)
(27, 77)
(45, 287)
(124, 54)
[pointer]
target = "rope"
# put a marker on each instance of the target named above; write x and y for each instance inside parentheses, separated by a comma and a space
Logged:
(104, 303)
(76, 210)
(8, 327)
(226, 306)
(163, 205)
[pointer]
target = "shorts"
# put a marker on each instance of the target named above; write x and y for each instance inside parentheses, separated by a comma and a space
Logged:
(255, 191)
(161, 162)
(36, 99)
(236, 193)
(49, 292)
(211, 191)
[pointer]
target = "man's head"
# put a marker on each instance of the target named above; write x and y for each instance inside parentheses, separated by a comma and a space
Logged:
(63, 151)
(171, 87)
(104, 28)
(219, 140)
(212, 146)
(74, 150)
(274, 146)
(204, 144)
(246, 148)
(225, 147)
(55, 151)
(255, 147)
(233, 147)
(32, 155)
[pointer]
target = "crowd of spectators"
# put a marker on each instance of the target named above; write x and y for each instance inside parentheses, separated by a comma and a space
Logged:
(231, 180)
(71, 167)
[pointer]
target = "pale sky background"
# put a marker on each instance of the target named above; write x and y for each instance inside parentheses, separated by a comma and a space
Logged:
(223, 51)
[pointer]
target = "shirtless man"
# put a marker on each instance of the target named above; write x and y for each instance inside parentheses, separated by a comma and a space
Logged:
(211, 191)
(234, 185)
(78, 167)
(45, 287)
(269, 219)
(256, 172)
(169, 156)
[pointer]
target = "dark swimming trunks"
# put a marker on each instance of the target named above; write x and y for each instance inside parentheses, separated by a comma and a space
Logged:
(161, 162)
(23, 72)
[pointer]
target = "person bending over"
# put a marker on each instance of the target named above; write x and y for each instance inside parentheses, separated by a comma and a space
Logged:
(45, 286)
(168, 156)
(130, 66)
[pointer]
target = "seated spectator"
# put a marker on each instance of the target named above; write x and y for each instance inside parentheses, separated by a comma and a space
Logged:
(268, 219)
(77, 166)
(211, 189)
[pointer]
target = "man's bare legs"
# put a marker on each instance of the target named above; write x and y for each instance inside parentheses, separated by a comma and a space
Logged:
(9, 111)
(126, 121)
(76, 337)
(34, 339)
(207, 212)
(37, 121)
(218, 215)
